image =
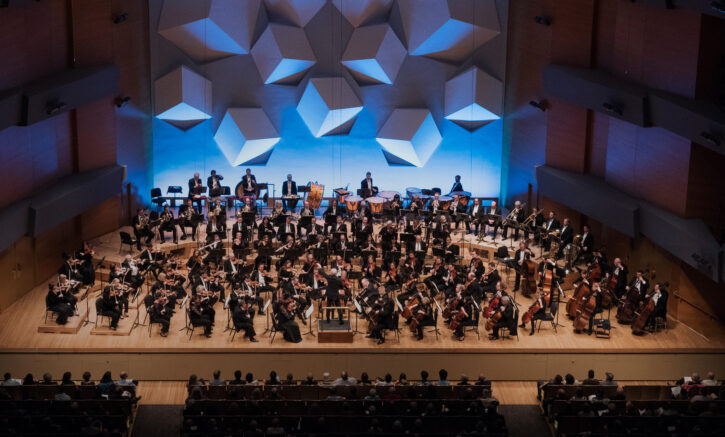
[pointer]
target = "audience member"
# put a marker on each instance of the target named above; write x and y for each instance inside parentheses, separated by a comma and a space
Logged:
(125, 381)
(9, 380)
(237, 378)
(591, 380)
(344, 379)
(443, 378)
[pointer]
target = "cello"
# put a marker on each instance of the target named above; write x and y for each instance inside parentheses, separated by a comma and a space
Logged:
(493, 320)
(492, 305)
(534, 308)
(572, 305)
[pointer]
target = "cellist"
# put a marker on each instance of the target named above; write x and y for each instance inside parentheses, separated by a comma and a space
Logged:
(537, 311)
(423, 316)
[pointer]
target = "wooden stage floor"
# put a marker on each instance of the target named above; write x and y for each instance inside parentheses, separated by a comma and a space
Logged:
(661, 356)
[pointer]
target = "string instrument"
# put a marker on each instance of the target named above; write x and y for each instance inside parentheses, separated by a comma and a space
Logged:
(457, 319)
(534, 308)
(627, 306)
(491, 308)
(416, 321)
(572, 305)
(493, 320)
(451, 307)
(585, 311)
(595, 272)
(547, 281)
(608, 285)
(646, 311)
(408, 308)
(528, 274)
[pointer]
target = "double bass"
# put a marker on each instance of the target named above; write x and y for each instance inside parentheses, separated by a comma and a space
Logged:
(646, 311)
(528, 276)
(585, 310)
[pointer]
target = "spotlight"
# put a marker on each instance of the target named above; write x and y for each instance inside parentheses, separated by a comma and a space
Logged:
(710, 138)
(718, 6)
(120, 18)
(612, 108)
(122, 101)
(541, 104)
(52, 108)
(544, 21)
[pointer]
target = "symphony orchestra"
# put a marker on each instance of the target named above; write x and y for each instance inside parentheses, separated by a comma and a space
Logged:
(392, 260)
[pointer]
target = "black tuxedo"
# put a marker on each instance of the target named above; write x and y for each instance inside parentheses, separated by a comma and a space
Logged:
(221, 230)
(621, 279)
(507, 320)
(588, 242)
(285, 229)
(566, 237)
(286, 191)
(550, 225)
(210, 183)
(519, 217)
(457, 186)
(333, 295)
(253, 185)
(476, 214)
(335, 228)
(367, 189)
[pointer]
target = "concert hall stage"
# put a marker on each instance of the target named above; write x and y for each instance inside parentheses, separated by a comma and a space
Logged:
(665, 355)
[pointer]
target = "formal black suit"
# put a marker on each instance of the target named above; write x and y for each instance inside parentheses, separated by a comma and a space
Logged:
(286, 191)
(210, 183)
(142, 233)
(519, 217)
(476, 215)
(60, 305)
(550, 225)
(333, 296)
(367, 189)
(284, 230)
(245, 185)
(196, 189)
(566, 237)
(621, 275)
(588, 242)
(507, 320)
(496, 213)
(457, 186)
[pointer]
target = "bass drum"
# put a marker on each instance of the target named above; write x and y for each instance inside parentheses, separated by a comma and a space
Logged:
(239, 190)
(314, 198)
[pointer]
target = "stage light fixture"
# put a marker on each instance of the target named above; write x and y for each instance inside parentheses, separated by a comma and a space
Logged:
(52, 108)
(718, 6)
(612, 108)
(121, 101)
(710, 138)
(544, 21)
(541, 104)
(120, 18)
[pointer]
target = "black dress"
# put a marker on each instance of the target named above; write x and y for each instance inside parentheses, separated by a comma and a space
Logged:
(288, 326)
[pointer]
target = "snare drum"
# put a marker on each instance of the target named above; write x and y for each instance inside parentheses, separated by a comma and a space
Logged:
(352, 203)
(376, 204)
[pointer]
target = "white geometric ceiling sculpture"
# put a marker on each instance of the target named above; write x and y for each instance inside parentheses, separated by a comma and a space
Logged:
(182, 98)
(410, 135)
(209, 29)
(374, 54)
(282, 53)
(246, 136)
(473, 99)
(297, 12)
(361, 12)
(328, 105)
(448, 29)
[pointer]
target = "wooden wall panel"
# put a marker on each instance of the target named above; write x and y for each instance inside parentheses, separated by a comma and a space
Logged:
(96, 134)
(92, 35)
(566, 136)
(572, 26)
(599, 140)
(705, 188)
(102, 219)
(529, 49)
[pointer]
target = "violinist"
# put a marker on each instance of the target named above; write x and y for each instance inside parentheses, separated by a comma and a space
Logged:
(371, 270)
(333, 296)
(61, 303)
(262, 278)
(423, 316)
(70, 267)
(451, 280)
(242, 315)
(392, 278)
(199, 312)
(69, 287)
(161, 312)
(168, 224)
(110, 305)
(168, 288)
(261, 245)
(507, 318)
(381, 315)
(85, 265)
(522, 254)
(316, 281)
(537, 309)
(151, 260)
(231, 266)
(473, 289)
(286, 252)
(122, 296)
(490, 279)
(132, 275)
(195, 263)
(285, 311)
(476, 266)
(339, 264)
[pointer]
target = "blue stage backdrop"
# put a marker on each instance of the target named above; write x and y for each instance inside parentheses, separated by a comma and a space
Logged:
(203, 66)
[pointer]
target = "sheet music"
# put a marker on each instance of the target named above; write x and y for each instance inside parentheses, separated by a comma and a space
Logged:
(400, 307)
(226, 301)
(183, 302)
(357, 306)
(308, 313)
(478, 308)
(266, 305)
(438, 305)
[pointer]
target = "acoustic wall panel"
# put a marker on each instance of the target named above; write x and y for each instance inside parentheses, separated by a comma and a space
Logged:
(591, 196)
(11, 108)
(361, 12)
(210, 29)
(327, 104)
(282, 53)
(14, 223)
(245, 134)
(411, 135)
(374, 54)
(73, 195)
(68, 90)
(296, 12)
(183, 98)
(473, 98)
(598, 91)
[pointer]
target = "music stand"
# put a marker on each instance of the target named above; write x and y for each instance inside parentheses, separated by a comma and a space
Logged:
(331, 219)
(304, 221)
(358, 313)
(320, 254)
(308, 315)
(267, 315)
(438, 251)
